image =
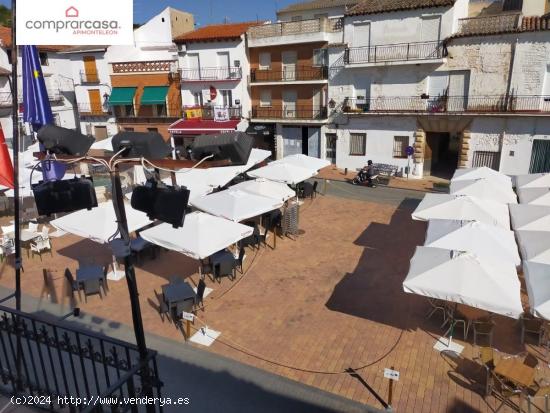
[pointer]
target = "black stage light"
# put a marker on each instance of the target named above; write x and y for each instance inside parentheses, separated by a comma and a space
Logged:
(67, 195)
(149, 145)
(64, 141)
(159, 201)
(235, 146)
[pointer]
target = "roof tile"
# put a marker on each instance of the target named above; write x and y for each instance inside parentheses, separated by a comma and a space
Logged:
(318, 4)
(382, 6)
(216, 32)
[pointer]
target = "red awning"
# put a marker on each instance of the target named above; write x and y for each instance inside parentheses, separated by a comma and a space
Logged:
(201, 127)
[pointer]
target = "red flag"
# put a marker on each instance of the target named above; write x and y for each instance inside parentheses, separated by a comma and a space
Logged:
(6, 167)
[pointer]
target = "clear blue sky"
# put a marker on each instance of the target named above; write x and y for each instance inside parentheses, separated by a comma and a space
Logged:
(207, 11)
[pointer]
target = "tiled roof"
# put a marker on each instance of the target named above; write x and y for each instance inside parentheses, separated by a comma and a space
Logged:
(381, 6)
(5, 39)
(484, 28)
(318, 4)
(216, 32)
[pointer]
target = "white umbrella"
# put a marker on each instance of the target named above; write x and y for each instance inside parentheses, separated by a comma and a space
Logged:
(462, 277)
(486, 241)
(201, 235)
(236, 205)
(304, 161)
(467, 174)
(530, 217)
(534, 246)
(104, 144)
(462, 208)
(534, 196)
(533, 181)
(283, 172)
(484, 189)
(266, 188)
(537, 281)
(139, 175)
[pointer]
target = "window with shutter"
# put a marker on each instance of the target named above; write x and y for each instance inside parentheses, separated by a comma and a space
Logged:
(357, 144)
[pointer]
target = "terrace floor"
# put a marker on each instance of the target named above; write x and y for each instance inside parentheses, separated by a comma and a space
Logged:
(312, 307)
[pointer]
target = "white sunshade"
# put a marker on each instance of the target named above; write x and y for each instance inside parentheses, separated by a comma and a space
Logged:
(530, 217)
(483, 172)
(462, 208)
(236, 205)
(485, 189)
(533, 181)
(534, 246)
(266, 188)
(283, 172)
(486, 241)
(304, 161)
(534, 196)
(466, 279)
(99, 224)
(104, 144)
(537, 281)
(201, 235)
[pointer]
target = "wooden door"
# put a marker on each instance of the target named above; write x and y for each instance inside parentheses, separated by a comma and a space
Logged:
(95, 101)
(90, 69)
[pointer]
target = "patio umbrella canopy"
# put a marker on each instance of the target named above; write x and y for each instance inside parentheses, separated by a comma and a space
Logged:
(537, 281)
(530, 217)
(483, 172)
(463, 277)
(283, 172)
(99, 224)
(486, 241)
(485, 189)
(462, 208)
(304, 161)
(534, 196)
(236, 205)
(534, 246)
(533, 181)
(104, 144)
(201, 235)
(270, 189)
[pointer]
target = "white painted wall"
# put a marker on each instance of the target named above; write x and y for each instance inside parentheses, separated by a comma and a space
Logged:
(311, 14)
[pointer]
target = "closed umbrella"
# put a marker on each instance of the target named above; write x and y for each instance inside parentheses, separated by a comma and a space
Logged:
(266, 188)
(534, 196)
(537, 281)
(534, 246)
(530, 217)
(283, 172)
(484, 188)
(483, 172)
(533, 181)
(462, 208)
(486, 241)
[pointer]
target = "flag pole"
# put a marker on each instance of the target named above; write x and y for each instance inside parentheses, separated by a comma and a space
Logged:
(15, 125)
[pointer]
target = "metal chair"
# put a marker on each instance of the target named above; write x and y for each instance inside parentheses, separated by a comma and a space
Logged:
(307, 190)
(92, 287)
(484, 328)
(225, 268)
(162, 306)
(315, 192)
(201, 287)
(506, 392)
(72, 284)
(486, 360)
(239, 262)
(435, 306)
(532, 325)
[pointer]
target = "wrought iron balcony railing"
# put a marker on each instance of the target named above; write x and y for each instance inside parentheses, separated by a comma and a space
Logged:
(89, 77)
(208, 112)
(394, 52)
(488, 24)
(211, 73)
(299, 73)
(448, 104)
(296, 27)
(87, 109)
(304, 112)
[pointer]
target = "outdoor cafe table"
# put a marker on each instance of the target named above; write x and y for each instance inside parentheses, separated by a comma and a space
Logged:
(514, 370)
(175, 293)
(26, 236)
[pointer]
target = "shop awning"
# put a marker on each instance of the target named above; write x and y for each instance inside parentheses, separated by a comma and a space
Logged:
(193, 127)
(121, 96)
(154, 95)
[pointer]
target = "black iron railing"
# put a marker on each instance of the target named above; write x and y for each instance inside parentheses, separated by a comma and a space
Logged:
(289, 75)
(211, 73)
(448, 104)
(89, 77)
(306, 112)
(87, 109)
(147, 119)
(208, 112)
(47, 358)
(394, 52)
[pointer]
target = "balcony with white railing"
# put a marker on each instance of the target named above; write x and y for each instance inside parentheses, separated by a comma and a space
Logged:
(401, 53)
(207, 74)
(301, 31)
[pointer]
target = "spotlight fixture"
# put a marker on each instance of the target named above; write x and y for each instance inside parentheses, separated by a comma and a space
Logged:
(150, 145)
(60, 140)
(159, 201)
(234, 146)
(68, 195)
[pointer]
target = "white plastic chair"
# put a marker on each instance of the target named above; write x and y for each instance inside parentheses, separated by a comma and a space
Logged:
(40, 245)
(9, 229)
(33, 227)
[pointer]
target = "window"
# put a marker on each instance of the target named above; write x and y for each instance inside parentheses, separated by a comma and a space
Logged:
(400, 144)
(197, 96)
(265, 98)
(43, 58)
(159, 110)
(320, 57)
(227, 96)
(124, 111)
(357, 144)
(128, 129)
(265, 61)
(152, 129)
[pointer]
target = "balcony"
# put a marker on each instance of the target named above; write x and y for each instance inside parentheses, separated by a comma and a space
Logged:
(448, 104)
(89, 77)
(298, 74)
(86, 109)
(145, 67)
(500, 23)
(208, 112)
(207, 74)
(147, 119)
(400, 52)
(294, 112)
(301, 31)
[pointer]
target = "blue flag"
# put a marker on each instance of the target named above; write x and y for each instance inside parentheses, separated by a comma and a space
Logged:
(36, 105)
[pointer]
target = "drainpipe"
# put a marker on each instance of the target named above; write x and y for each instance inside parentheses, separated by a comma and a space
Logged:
(509, 89)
